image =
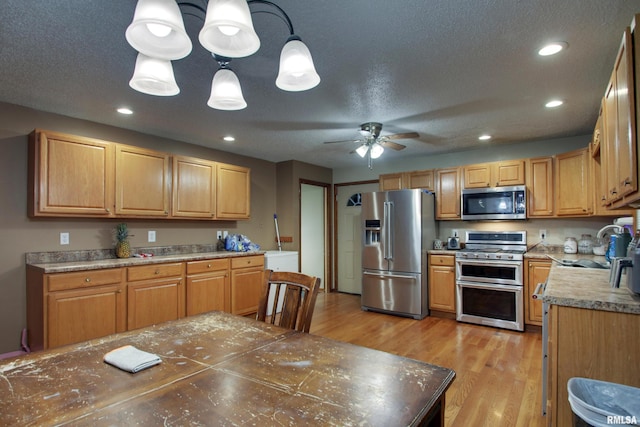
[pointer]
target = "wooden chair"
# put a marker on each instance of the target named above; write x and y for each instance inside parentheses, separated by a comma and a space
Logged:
(300, 292)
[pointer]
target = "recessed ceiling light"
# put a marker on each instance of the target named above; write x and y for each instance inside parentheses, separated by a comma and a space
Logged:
(552, 48)
(124, 110)
(229, 138)
(553, 103)
(484, 137)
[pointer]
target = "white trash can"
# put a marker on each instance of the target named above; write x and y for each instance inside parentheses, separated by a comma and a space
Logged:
(601, 403)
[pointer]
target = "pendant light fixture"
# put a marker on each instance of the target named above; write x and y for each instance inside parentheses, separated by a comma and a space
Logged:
(158, 33)
(226, 93)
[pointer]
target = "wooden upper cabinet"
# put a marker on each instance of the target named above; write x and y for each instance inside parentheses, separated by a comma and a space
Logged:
(495, 174)
(392, 181)
(142, 182)
(620, 156)
(70, 176)
(233, 192)
(194, 192)
(421, 179)
(540, 187)
(447, 193)
(573, 195)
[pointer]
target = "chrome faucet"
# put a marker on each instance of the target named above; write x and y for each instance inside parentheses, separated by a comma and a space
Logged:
(618, 229)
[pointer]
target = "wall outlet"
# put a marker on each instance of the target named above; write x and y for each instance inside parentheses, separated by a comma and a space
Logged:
(219, 234)
(543, 234)
(151, 236)
(455, 233)
(225, 233)
(64, 238)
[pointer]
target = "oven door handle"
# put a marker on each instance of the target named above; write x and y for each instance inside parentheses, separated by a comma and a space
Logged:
(493, 263)
(462, 283)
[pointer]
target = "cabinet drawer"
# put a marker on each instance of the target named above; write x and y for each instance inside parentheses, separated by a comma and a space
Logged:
(154, 271)
(442, 260)
(207, 265)
(83, 279)
(247, 261)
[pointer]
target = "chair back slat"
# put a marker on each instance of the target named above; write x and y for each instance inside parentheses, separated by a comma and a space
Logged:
(298, 301)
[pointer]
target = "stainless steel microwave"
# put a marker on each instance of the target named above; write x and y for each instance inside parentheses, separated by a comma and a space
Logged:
(494, 203)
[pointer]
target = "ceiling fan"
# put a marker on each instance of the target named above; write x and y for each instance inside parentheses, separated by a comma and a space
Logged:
(372, 145)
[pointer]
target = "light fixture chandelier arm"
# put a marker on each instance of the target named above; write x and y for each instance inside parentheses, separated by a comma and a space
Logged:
(284, 15)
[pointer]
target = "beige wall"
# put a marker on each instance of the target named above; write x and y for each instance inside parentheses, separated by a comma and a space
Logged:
(20, 234)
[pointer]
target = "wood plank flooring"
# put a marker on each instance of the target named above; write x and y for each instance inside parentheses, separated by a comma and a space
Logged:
(498, 372)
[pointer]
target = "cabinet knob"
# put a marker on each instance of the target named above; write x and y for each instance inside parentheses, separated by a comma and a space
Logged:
(208, 265)
(108, 210)
(157, 272)
(87, 279)
(626, 182)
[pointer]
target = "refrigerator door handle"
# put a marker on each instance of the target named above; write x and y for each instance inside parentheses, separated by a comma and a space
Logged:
(388, 230)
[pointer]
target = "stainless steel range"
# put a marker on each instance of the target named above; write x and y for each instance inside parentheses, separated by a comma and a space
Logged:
(489, 279)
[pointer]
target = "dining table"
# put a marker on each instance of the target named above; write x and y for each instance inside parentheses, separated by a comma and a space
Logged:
(222, 369)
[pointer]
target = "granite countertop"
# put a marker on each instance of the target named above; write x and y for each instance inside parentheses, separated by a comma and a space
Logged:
(66, 266)
(588, 288)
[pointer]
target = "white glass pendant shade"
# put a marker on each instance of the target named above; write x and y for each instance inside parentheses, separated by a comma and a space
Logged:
(157, 30)
(297, 71)
(376, 150)
(226, 93)
(228, 29)
(362, 150)
(154, 77)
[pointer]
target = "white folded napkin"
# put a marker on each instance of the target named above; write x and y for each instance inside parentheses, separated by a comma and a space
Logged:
(130, 359)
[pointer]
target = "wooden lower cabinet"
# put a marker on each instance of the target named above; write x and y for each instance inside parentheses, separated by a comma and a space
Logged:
(592, 344)
(246, 283)
(442, 283)
(67, 308)
(208, 286)
(536, 271)
(155, 294)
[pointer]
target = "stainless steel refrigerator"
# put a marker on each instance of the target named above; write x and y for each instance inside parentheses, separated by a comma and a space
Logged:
(399, 227)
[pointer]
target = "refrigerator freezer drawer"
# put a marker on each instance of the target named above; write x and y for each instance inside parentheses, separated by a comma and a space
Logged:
(398, 293)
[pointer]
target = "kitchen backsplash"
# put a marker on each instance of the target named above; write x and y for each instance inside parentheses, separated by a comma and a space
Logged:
(557, 230)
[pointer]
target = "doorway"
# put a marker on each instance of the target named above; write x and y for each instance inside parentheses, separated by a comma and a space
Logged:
(348, 235)
(314, 240)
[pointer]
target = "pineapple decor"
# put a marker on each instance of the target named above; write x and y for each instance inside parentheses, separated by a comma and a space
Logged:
(123, 248)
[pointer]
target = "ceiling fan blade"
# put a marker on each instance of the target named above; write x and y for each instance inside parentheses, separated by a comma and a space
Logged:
(407, 135)
(392, 145)
(346, 140)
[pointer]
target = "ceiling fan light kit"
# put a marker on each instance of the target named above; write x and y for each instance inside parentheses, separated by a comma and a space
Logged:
(372, 145)
(157, 32)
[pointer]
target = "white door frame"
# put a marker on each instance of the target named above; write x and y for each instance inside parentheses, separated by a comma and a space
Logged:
(327, 283)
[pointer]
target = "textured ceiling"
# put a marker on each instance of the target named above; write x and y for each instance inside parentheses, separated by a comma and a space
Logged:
(447, 69)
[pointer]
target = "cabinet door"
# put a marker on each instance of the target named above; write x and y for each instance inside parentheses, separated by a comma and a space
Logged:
(208, 292)
(246, 285)
(155, 301)
(421, 179)
(391, 181)
(82, 314)
(540, 187)
(442, 283)
(142, 182)
(233, 192)
(477, 176)
(537, 272)
(573, 187)
(510, 172)
(448, 193)
(193, 188)
(70, 175)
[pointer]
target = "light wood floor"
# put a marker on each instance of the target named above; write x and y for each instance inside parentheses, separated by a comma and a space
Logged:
(498, 372)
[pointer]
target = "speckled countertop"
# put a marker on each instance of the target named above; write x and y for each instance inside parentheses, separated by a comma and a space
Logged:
(69, 261)
(588, 288)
